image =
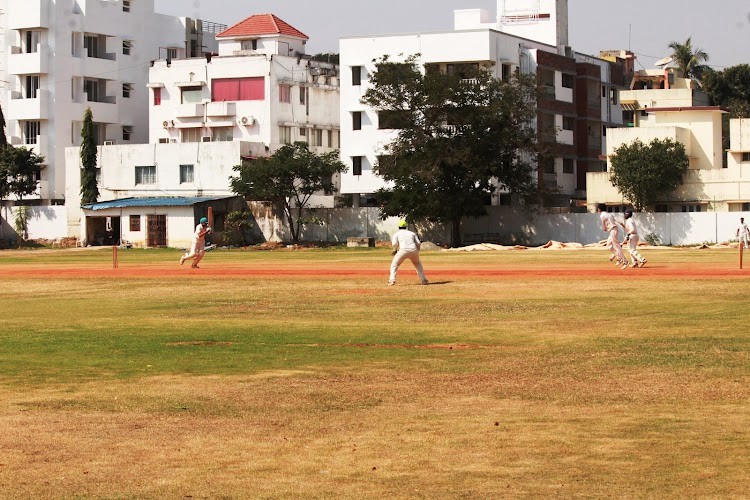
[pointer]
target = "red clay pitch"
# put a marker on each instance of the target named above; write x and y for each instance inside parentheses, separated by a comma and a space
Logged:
(435, 273)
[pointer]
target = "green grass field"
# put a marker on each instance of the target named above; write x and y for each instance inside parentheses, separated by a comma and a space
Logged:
(535, 383)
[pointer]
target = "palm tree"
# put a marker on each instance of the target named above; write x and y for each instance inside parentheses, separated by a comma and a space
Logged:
(688, 60)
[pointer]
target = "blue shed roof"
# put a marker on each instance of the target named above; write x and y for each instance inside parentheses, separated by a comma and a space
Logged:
(164, 201)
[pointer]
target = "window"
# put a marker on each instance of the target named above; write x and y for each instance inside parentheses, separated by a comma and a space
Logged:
(303, 134)
(32, 40)
(190, 135)
(356, 165)
(547, 164)
(613, 95)
(569, 123)
(223, 134)
(145, 175)
(157, 96)
(356, 76)
(171, 54)
(568, 81)
(330, 139)
(163, 140)
(507, 70)
(604, 92)
(463, 70)
(127, 89)
(91, 45)
(31, 132)
(285, 93)
(692, 208)
(127, 132)
(285, 135)
(186, 174)
(126, 5)
(32, 86)
(356, 120)
(302, 94)
(238, 89)
(127, 45)
(604, 131)
(91, 88)
(192, 94)
(568, 166)
(316, 137)
(745, 157)
(249, 45)
(135, 223)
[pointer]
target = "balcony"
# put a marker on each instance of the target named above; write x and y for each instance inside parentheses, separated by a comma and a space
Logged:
(189, 110)
(33, 63)
(29, 109)
(23, 14)
(221, 109)
(37, 144)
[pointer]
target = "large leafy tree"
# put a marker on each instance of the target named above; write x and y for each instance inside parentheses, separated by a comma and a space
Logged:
(89, 188)
(19, 168)
(288, 178)
(730, 89)
(460, 136)
(689, 59)
(643, 173)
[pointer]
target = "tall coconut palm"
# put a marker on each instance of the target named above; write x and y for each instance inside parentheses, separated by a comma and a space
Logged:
(689, 61)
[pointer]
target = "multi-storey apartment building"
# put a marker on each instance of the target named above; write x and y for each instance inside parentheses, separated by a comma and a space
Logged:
(579, 98)
(59, 58)
(207, 115)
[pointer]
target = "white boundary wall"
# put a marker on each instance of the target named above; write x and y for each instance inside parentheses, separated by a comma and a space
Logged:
(502, 226)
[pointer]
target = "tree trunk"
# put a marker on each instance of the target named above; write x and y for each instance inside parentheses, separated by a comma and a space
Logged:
(290, 220)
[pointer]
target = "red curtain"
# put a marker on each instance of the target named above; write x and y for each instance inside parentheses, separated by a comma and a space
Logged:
(238, 89)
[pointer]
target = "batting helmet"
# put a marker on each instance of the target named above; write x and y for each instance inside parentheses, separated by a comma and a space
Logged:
(628, 213)
(204, 220)
(402, 224)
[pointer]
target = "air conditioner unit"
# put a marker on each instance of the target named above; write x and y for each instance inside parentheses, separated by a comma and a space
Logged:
(173, 140)
(109, 143)
(205, 139)
(163, 140)
(247, 120)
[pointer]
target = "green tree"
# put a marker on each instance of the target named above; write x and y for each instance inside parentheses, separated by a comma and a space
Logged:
(89, 188)
(19, 169)
(288, 179)
(643, 173)
(729, 89)
(461, 136)
(689, 60)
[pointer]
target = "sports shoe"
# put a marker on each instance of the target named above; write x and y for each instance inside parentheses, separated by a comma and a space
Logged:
(182, 260)
(425, 282)
(624, 265)
(611, 258)
(643, 262)
(391, 283)
(195, 267)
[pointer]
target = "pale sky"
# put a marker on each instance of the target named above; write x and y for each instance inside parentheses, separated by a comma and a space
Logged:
(720, 27)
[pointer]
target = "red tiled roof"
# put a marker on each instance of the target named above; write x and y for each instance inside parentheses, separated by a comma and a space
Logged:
(262, 24)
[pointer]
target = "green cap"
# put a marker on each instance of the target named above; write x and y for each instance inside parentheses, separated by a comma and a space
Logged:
(204, 220)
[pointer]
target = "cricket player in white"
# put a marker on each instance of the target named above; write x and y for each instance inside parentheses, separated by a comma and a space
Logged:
(632, 239)
(743, 233)
(198, 248)
(609, 225)
(405, 245)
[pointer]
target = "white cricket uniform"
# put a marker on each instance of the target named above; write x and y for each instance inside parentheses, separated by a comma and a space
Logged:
(609, 225)
(408, 246)
(743, 233)
(198, 248)
(631, 232)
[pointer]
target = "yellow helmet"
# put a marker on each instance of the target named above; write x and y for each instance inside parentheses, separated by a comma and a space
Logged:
(402, 224)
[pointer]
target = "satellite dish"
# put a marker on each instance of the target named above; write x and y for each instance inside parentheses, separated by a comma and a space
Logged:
(664, 61)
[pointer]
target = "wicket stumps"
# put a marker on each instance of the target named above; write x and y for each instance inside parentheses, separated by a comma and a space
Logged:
(114, 257)
(741, 250)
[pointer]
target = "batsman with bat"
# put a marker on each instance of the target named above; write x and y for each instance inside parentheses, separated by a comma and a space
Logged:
(198, 248)
(631, 240)
(405, 245)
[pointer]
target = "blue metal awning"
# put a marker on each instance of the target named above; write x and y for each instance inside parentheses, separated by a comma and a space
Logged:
(164, 201)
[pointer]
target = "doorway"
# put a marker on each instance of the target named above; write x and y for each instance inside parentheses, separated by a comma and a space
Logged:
(156, 231)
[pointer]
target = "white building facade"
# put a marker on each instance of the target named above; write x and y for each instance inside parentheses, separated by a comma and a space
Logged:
(579, 91)
(59, 58)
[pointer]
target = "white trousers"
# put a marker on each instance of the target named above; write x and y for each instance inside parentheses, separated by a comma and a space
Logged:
(401, 256)
(197, 251)
(614, 245)
(635, 255)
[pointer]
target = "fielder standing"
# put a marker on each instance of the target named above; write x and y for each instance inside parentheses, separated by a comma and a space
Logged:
(405, 245)
(743, 233)
(609, 225)
(632, 239)
(198, 248)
